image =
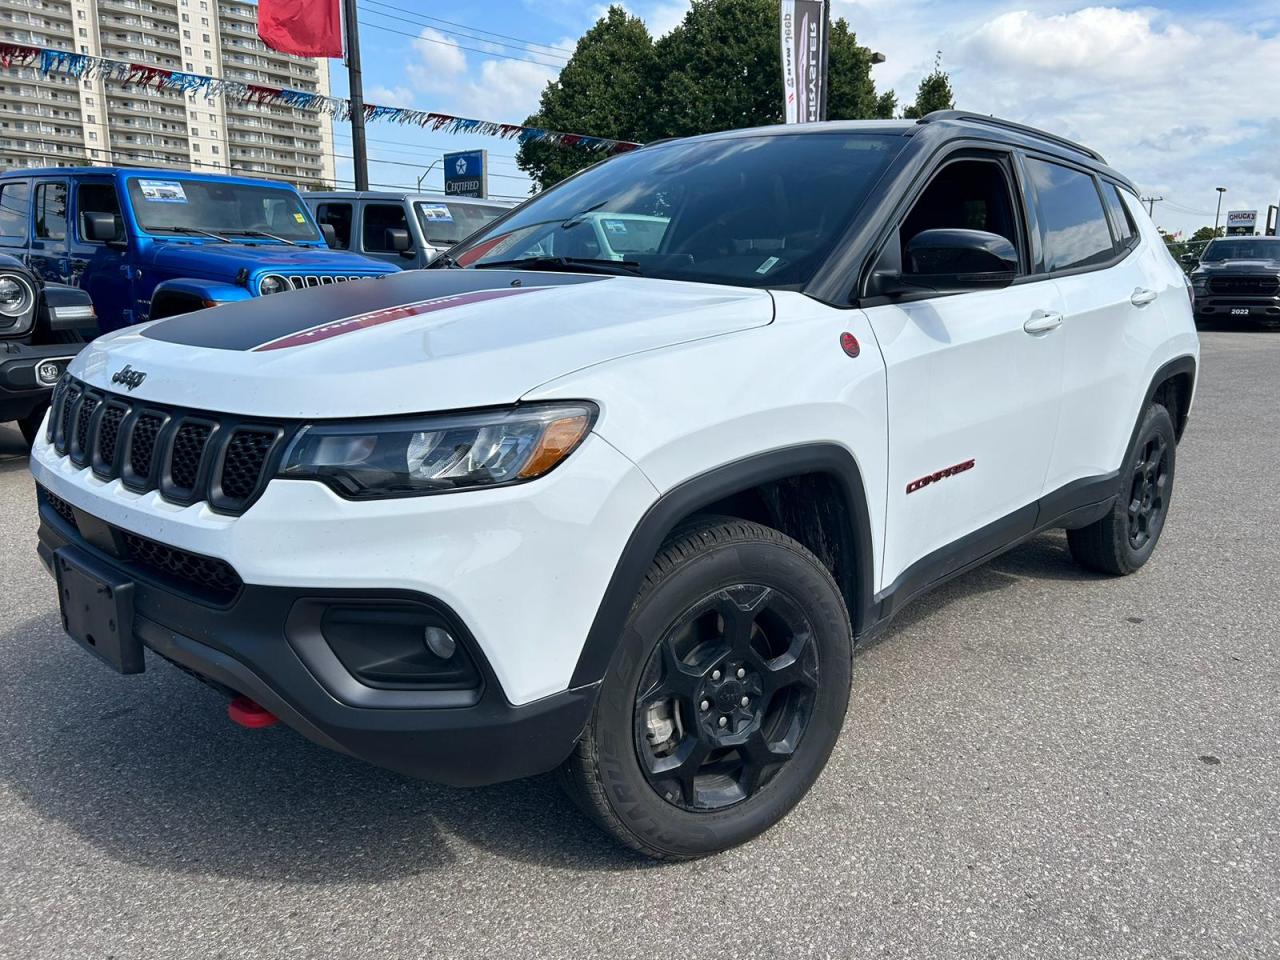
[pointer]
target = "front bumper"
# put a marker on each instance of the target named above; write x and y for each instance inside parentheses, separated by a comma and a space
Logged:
(1209, 306)
(22, 389)
(257, 645)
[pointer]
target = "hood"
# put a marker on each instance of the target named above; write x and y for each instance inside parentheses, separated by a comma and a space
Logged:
(228, 259)
(1212, 268)
(418, 341)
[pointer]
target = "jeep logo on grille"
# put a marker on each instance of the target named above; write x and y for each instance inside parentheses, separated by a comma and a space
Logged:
(129, 377)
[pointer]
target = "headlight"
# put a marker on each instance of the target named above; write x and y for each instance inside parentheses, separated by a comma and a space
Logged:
(437, 454)
(1199, 284)
(16, 295)
(272, 283)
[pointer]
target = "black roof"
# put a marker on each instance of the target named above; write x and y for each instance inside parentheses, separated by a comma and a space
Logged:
(948, 124)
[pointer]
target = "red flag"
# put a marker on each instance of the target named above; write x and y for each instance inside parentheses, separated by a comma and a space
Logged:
(305, 28)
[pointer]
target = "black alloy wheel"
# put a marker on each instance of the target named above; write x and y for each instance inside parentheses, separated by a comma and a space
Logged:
(726, 697)
(1148, 496)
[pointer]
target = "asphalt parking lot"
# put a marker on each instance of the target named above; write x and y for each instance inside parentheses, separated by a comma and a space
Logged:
(1038, 762)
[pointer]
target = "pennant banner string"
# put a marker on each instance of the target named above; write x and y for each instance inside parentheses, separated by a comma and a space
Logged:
(87, 67)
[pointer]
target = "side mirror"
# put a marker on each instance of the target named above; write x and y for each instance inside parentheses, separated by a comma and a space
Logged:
(952, 260)
(1190, 259)
(330, 234)
(100, 227)
(398, 239)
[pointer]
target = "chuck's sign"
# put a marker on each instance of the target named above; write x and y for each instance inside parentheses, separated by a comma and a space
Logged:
(804, 60)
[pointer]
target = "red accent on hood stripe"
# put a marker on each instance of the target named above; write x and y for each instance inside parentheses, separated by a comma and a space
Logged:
(375, 318)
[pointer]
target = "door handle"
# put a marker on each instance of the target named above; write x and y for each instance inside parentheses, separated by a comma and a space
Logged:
(1142, 296)
(1043, 322)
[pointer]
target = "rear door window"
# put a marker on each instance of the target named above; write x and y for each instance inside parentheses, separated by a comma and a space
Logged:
(338, 216)
(15, 199)
(51, 211)
(1073, 224)
(378, 219)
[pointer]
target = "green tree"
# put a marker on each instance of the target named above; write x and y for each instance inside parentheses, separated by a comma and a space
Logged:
(719, 69)
(934, 93)
(605, 90)
(1205, 234)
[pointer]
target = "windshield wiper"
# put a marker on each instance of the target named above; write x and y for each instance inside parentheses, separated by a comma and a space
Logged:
(443, 261)
(261, 233)
(197, 230)
(578, 217)
(620, 268)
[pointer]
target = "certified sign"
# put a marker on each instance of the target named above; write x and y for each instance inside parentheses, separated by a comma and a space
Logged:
(466, 174)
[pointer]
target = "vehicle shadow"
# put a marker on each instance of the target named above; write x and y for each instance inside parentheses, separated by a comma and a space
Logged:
(13, 449)
(150, 771)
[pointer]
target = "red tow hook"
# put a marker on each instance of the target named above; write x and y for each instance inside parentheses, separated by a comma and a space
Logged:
(251, 714)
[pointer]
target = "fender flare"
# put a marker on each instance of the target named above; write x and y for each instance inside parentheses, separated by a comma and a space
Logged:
(201, 289)
(606, 639)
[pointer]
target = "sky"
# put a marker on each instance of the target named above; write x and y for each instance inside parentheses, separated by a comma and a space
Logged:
(1181, 97)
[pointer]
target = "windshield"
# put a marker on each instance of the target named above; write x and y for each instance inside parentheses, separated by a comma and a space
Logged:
(754, 211)
(1247, 248)
(444, 224)
(227, 209)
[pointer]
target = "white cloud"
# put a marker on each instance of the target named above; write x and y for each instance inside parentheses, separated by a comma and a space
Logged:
(437, 56)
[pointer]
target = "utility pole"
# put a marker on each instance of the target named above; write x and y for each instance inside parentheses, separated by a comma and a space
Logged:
(1151, 205)
(1218, 215)
(355, 85)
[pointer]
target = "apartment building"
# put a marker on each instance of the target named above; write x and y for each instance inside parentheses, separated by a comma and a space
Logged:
(58, 120)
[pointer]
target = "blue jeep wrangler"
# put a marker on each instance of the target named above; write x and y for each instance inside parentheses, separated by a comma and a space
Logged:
(147, 244)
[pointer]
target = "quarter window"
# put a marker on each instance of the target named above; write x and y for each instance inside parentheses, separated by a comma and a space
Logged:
(13, 208)
(51, 211)
(1072, 222)
(1122, 226)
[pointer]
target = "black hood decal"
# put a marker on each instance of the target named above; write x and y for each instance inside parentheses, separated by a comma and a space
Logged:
(252, 324)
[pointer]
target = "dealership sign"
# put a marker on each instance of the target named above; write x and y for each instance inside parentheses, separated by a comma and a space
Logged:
(804, 60)
(1241, 222)
(466, 174)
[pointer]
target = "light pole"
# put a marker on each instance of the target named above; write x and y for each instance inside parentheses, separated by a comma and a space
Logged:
(425, 172)
(1218, 214)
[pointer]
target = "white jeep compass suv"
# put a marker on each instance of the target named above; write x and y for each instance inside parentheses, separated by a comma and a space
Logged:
(625, 513)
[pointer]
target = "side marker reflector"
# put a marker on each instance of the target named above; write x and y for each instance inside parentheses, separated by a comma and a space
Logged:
(849, 344)
(249, 714)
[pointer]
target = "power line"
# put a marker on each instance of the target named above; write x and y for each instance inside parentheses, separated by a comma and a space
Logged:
(447, 43)
(562, 53)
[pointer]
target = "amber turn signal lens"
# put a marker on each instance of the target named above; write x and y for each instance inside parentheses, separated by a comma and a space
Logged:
(556, 443)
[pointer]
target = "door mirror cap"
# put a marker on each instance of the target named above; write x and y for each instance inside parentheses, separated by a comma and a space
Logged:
(100, 227)
(398, 239)
(949, 260)
(1189, 259)
(330, 234)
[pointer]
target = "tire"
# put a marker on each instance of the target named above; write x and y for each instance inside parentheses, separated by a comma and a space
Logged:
(30, 424)
(726, 699)
(1123, 540)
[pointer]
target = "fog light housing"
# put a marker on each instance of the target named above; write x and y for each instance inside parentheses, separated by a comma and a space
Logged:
(48, 372)
(398, 646)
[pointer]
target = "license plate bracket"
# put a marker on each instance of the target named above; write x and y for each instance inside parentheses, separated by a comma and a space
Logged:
(97, 609)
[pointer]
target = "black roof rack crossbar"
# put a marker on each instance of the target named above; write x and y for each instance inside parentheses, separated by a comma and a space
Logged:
(1010, 125)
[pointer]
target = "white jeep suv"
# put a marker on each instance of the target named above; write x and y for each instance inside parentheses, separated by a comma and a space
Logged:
(541, 508)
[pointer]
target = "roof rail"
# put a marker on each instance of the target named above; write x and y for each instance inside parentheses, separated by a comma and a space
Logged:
(1010, 125)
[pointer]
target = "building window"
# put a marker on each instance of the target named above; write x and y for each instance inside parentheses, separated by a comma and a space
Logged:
(93, 134)
(215, 149)
(195, 147)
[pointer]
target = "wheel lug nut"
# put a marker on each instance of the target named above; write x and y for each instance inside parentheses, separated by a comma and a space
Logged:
(745, 701)
(724, 721)
(715, 674)
(706, 704)
(741, 673)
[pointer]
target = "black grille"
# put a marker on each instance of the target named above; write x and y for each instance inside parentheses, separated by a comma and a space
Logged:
(84, 413)
(246, 453)
(1245, 286)
(143, 444)
(60, 506)
(108, 434)
(190, 455)
(215, 578)
(188, 450)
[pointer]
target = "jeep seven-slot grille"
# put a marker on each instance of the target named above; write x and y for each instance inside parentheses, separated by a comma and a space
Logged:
(1245, 286)
(187, 455)
(207, 577)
